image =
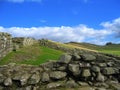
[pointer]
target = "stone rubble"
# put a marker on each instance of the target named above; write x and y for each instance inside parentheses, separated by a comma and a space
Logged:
(70, 71)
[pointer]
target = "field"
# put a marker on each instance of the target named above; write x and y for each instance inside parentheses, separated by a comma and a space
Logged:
(33, 55)
(110, 49)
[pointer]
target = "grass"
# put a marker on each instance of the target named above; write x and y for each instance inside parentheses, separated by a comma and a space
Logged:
(110, 49)
(33, 55)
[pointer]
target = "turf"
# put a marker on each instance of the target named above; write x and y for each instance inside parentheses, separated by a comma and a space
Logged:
(33, 55)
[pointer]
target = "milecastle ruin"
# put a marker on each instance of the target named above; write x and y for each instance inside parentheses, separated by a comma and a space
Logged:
(5, 44)
(82, 70)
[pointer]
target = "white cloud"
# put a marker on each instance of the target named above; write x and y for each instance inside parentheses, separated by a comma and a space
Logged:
(21, 1)
(113, 26)
(80, 33)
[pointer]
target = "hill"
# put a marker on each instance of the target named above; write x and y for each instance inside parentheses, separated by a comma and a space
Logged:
(110, 49)
(50, 50)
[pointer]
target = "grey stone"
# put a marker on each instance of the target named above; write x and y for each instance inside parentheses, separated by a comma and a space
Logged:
(34, 79)
(45, 77)
(88, 57)
(100, 77)
(71, 84)
(102, 64)
(95, 69)
(76, 56)
(75, 69)
(86, 73)
(65, 58)
(8, 82)
(2, 78)
(53, 85)
(82, 83)
(108, 71)
(22, 78)
(57, 75)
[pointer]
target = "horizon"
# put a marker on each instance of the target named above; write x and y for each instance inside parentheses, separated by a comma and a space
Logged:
(90, 21)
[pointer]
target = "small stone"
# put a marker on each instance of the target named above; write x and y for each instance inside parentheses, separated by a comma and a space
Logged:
(45, 77)
(75, 69)
(108, 71)
(65, 58)
(82, 83)
(102, 64)
(88, 57)
(58, 75)
(100, 78)
(53, 85)
(76, 56)
(2, 78)
(34, 79)
(95, 69)
(71, 84)
(8, 82)
(86, 73)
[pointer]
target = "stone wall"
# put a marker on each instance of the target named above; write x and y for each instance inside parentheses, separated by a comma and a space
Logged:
(92, 71)
(22, 42)
(5, 44)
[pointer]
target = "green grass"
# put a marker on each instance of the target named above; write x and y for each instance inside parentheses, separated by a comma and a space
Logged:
(33, 55)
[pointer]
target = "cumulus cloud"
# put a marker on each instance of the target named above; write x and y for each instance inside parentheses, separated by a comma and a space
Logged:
(80, 33)
(21, 1)
(113, 26)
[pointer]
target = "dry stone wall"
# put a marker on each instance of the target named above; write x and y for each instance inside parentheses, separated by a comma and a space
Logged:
(92, 71)
(22, 41)
(5, 44)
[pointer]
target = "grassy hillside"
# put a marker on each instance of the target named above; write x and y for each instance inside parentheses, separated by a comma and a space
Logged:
(33, 55)
(111, 49)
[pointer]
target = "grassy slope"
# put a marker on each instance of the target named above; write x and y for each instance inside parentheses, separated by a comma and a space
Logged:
(34, 55)
(111, 49)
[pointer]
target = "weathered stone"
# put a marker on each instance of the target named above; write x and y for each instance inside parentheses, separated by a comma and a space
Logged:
(75, 69)
(2, 78)
(100, 77)
(82, 83)
(22, 78)
(102, 64)
(8, 82)
(76, 56)
(53, 85)
(61, 68)
(58, 75)
(34, 79)
(71, 84)
(108, 71)
(86, 73)
(95, 69)
(65, 58)
(45, 77)
(88, 57)
(48, 65)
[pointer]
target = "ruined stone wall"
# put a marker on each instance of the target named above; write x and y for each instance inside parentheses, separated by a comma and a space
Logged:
(22, 41)
(5, 44)
(82, 71)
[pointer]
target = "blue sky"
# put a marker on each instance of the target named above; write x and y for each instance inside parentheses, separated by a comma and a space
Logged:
(93, 21)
